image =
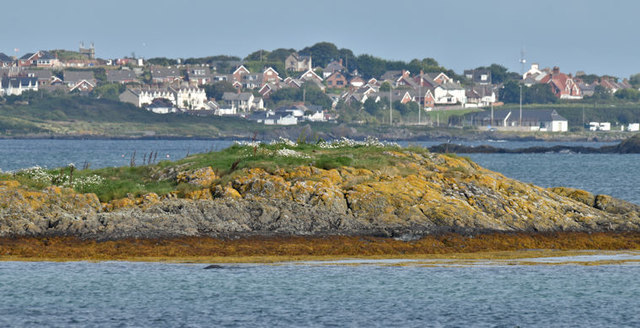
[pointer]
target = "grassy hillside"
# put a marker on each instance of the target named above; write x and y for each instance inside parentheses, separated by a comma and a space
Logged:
(66, 114)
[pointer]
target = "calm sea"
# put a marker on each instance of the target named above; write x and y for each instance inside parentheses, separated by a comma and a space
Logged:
(124, 294)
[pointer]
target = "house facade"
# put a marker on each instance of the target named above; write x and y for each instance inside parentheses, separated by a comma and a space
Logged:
(15, 86)
(297, 63)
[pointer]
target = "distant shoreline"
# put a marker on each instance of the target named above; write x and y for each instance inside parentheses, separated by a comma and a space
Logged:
(433, 135)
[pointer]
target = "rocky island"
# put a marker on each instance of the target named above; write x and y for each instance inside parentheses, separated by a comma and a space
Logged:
(286, 198)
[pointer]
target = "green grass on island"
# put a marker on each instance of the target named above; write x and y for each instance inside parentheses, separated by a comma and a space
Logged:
(135, 180)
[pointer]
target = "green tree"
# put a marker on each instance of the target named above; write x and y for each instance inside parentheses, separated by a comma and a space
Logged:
(310, 92)
(635, 80)
(280, 54)
(216, 90)
(372, 107)
(538, 94)
(601, 93)
(385, 86)
(628, 94)
(259, 55)
(110, 91)
(321, 53)
(510, 92)
(370, 66)
(162, 61)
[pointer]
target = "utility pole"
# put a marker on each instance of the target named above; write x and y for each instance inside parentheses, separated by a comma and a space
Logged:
(420, 98)
(520, 105)
(522, 61)
(390, 105)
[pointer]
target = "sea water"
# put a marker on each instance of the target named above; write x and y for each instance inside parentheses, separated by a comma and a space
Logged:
(124, 294)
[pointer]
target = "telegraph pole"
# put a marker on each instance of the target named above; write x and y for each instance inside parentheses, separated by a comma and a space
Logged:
(390, 105)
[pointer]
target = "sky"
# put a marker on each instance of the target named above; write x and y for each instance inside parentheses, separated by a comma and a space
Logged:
(594, 36)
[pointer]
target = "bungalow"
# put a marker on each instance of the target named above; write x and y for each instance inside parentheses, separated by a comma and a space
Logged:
(162, 106)
(533, 120)
(270, 117)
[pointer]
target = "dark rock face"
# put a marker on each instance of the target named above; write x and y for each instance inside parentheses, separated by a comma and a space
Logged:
(428, 194)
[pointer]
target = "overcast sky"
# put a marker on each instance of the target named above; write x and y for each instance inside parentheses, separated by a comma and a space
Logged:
(601, 37)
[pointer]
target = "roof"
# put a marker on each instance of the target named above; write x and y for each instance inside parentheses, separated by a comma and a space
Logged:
(391, 75)
(5, 58)
(539, 115)
(232, 96)
(476, 75)
(27, 56)
(120, 75)
(164, 72)
(41, 74)
(77, 76)
(15, 82)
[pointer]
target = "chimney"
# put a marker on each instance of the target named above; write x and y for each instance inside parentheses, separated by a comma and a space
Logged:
(556, 70)
(340, 61)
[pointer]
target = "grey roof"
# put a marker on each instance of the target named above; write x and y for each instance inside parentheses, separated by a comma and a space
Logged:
(27, 55)
(538, 115)
(47, 55)
(333, 66)
(164, 72)
(41, 74)
(391, 75)
(15, 82)
(120, 75)
(476, 75)
(77, 76)
(231, 96)
(5, 58)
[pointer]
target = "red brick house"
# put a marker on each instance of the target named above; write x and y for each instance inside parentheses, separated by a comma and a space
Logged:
(336, 80)
(562, 85)
(270, 75)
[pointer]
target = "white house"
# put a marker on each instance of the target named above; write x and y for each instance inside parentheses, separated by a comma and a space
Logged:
(449, 93)
(15, 86)
(183, 98)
